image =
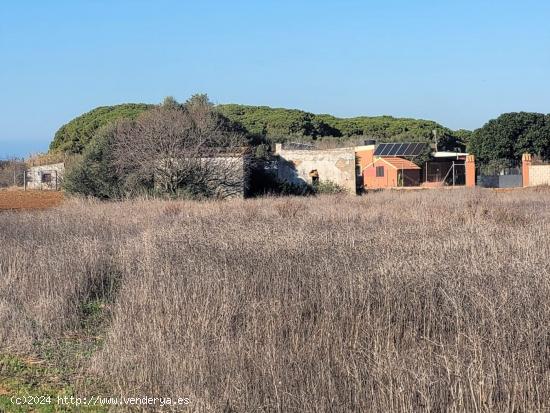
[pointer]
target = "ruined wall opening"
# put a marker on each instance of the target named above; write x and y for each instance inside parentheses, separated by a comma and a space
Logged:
(314, 177)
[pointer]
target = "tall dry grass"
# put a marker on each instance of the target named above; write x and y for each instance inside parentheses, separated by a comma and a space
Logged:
(392, 302)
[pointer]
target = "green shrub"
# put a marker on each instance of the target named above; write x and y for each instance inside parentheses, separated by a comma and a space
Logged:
(74, 136)
(93, 174)
(328, 187)
(509, 136)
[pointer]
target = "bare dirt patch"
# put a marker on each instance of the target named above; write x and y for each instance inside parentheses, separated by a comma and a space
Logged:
(20, 200)
(3, 391)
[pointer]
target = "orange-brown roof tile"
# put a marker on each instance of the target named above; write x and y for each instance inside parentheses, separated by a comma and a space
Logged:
(399, 163)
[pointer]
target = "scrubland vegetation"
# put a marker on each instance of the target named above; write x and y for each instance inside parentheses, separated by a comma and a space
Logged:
(399, 301)
(499, 143)
(74, 136)
(264, 125)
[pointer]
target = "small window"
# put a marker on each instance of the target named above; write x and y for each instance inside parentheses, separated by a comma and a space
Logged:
(46, 177)
(379, 171)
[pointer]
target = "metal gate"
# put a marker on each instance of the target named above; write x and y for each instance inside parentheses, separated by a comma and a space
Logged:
(445, 173)
(494, 177)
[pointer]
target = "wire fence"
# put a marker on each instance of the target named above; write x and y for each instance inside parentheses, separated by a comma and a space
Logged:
(449, 173)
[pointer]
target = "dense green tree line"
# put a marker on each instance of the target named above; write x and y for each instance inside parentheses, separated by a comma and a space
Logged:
(266, 125)
(276, 124)
(74, 136)
(505, 139)
(500, 140)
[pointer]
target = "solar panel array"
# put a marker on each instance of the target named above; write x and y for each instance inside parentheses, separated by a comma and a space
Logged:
(400, 149)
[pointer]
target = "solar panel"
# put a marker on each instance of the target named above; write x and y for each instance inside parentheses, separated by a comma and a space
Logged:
(406, 149)
(389, 148)
(400, 149)
(383, 149)
(394, 149)
(411, 149)
(419, 148)
(380, 149)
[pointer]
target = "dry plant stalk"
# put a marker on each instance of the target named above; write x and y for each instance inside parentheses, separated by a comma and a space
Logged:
(392, 302)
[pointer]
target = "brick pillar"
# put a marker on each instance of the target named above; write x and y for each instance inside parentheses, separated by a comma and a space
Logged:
(525, 164)
(470, 171)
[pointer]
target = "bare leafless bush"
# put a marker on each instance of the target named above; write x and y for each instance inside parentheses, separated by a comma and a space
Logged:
(188, 147)
(11, 172)
(425, 301)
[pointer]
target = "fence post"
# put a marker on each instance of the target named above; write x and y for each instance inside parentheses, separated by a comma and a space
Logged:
(454, 180)
(526, 162)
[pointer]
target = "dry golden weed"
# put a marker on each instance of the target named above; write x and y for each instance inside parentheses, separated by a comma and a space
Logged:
(392, 302)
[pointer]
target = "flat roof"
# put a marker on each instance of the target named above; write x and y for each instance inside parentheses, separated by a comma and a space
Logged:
(448, 154)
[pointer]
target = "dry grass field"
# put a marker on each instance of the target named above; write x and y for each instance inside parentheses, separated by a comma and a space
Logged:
(423, 301)
(17, 199)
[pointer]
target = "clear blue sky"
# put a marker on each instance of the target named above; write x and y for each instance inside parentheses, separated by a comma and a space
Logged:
(457, 62)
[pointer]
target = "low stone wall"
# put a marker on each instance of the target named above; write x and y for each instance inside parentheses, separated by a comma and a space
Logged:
(539, 175)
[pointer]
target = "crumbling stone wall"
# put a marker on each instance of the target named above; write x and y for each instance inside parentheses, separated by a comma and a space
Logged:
(45, 176)
(534, 174)
(299, 166)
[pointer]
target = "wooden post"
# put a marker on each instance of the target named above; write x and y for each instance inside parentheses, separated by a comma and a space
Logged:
(426, 171)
